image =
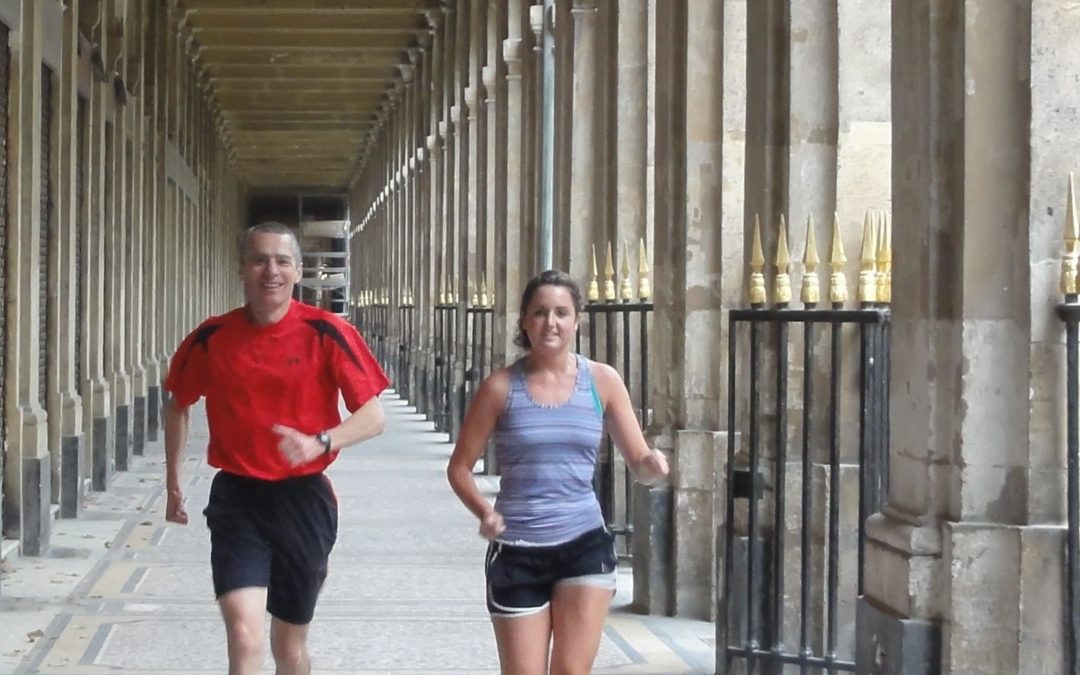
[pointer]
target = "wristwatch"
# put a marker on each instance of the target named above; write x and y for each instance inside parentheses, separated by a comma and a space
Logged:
(324, 438)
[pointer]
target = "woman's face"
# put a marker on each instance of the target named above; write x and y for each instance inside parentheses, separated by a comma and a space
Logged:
(550, 319)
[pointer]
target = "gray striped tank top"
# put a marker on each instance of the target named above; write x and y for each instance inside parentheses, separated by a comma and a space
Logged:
(547, 456)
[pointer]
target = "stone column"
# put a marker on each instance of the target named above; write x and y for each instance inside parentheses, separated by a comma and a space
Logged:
(27, 470)
(474, 107)
(154, 291)
(962, 572)
(98, 393)
(72, 469)
(573, 239)
(433, 227)
(732, 216)
(652, 532)
(514, 261)
(697, 268)
(136, 78)
(461, 238)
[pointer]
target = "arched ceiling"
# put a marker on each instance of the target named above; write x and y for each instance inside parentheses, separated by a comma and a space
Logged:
(299, 83)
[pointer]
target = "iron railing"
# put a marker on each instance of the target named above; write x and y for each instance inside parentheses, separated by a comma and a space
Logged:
(756, 596)
(622, 328)
(445, 325)
(1069, 312)
(406, 348)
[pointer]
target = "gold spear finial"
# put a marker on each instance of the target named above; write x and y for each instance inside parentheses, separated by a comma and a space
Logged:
(592, 292)
(884, 258)
(867, 262)
(838, 294)
(442, 291)
(1071, 260)
(757, 263)
(609, 276)
(644, 284)
(474, 293)
(626, 289)
(484, 291)
(810, 294)
(782, 283)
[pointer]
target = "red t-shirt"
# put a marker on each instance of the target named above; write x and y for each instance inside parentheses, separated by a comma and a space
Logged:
(254, 377)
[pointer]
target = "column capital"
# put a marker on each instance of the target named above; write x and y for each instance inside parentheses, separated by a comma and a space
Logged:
(536, 19)
(487, 76)
(585, 6)
(512, 48)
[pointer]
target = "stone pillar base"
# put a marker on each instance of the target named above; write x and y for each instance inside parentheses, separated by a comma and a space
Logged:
(36, 513)
(890, 645)
(652, 550)
(138, 427)
(153, 412)
(421, 391)
(71, 476)
(100, 443)
(123, 437)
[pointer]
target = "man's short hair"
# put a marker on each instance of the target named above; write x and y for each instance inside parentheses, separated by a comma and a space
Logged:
(269, 227)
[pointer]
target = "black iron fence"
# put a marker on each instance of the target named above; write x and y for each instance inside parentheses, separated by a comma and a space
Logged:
(778, 606)
(1069, 311)
(617, 333)
(442, 388)
(406, 349)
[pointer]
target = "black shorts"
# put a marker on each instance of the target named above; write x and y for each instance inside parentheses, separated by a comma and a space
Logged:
(272, 534)
(522, 579)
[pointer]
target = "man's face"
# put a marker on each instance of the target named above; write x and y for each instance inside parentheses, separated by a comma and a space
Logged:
(269, 270)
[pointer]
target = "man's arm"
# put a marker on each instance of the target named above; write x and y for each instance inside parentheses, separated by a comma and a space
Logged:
(366, 422)
(177, 421)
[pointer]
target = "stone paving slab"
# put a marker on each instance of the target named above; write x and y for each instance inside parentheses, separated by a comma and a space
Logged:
(124, 592)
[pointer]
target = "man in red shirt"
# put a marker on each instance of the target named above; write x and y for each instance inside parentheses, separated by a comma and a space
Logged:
(271, 372)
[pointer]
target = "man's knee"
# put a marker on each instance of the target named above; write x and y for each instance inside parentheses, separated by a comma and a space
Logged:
(245, 642)
(288, 643)
(290, 655)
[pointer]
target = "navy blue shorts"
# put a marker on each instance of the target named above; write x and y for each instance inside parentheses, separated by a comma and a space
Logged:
(275, 535)
(522, 579)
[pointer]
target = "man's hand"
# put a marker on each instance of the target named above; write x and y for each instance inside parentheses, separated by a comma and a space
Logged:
(174, 506)
(492, 525)
(297, 448)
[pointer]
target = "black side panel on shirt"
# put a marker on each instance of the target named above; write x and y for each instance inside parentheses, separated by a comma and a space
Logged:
(202, 337)
(324, 327)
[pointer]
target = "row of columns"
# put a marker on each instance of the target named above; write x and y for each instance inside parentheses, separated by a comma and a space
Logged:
(136, 254)
(681, 121)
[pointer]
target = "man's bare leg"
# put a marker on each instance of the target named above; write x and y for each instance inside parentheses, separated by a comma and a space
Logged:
(244, 611)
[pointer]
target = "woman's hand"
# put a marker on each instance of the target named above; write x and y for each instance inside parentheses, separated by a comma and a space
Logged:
(491, 524)
(653, 466)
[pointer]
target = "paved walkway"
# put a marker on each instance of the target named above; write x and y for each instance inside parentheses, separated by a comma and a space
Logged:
(124, 592)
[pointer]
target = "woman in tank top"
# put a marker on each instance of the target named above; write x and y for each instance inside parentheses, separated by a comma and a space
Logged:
(550, 566)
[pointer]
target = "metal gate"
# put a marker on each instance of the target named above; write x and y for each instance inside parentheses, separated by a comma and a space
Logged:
(805, 468)
(1069, 312)
(445, 341)
(618, 334)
